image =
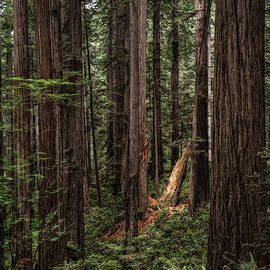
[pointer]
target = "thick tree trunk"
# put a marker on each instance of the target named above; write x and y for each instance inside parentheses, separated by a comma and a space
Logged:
(22, 137)
(175, 84)
(121, 91)
(199, 175)
(74, 112)
(237, 199)
(135, 165)
(48, 197)
(157, 153)
(134, 125)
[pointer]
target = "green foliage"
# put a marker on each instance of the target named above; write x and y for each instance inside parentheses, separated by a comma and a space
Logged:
(172, 242)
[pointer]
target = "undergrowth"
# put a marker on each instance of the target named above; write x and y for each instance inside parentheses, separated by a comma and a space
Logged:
(172, 242)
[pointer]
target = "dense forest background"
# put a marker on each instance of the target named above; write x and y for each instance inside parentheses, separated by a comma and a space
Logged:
(134, 134)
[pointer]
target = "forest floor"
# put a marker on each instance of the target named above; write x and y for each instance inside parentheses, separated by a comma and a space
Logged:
(169, 238)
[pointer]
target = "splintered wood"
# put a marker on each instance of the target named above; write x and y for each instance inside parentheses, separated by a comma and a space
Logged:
(171, 192)
(171, 195)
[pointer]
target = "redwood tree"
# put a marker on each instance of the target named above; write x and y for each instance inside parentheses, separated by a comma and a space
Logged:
(175, 84)
(121, 94)
(47, 138)
(136, 182)
(199, 175)
(157, 153)
(110, 132)
(3, 209)
(22, 137)
(75, 146)
(143, 156)
(237, 203)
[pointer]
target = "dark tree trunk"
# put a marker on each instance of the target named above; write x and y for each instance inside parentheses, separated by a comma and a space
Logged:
(87, 134)
(157, 152)
(3, 209)
(237, 200)
(121, 95)
(110, 145)
(74, 113)
(175, 85)
(92, 120)
(209, 95)
(142, 26)
(136, 193)
(48, 197)
(9, 150)
(22, 138)
(199, 175)
(134, 125)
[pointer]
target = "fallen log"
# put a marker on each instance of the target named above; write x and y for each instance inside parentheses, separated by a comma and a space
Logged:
(172, 190)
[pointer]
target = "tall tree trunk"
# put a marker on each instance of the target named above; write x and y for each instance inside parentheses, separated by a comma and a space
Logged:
(136, 182)
(110, 145)
(22, 137)
(238, 200)
(76, 144)
(142, 16)
(175, 85)
(199, 175)
(9, 150)
(134, 125)
(47, 115)
(209, 95)
(157, 153)
(92, 120)
(121, 92)
(87, 124)
(61, 133)
(3, 209)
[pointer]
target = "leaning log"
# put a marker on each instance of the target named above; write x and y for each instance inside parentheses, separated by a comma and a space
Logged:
(172, 190)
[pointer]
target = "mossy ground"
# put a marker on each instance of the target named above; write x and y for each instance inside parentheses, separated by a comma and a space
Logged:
(173, 241)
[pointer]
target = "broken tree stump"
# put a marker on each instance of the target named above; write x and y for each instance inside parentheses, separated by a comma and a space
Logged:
(172, 190)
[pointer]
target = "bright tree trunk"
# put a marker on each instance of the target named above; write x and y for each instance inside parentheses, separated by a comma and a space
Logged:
(237, 200)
